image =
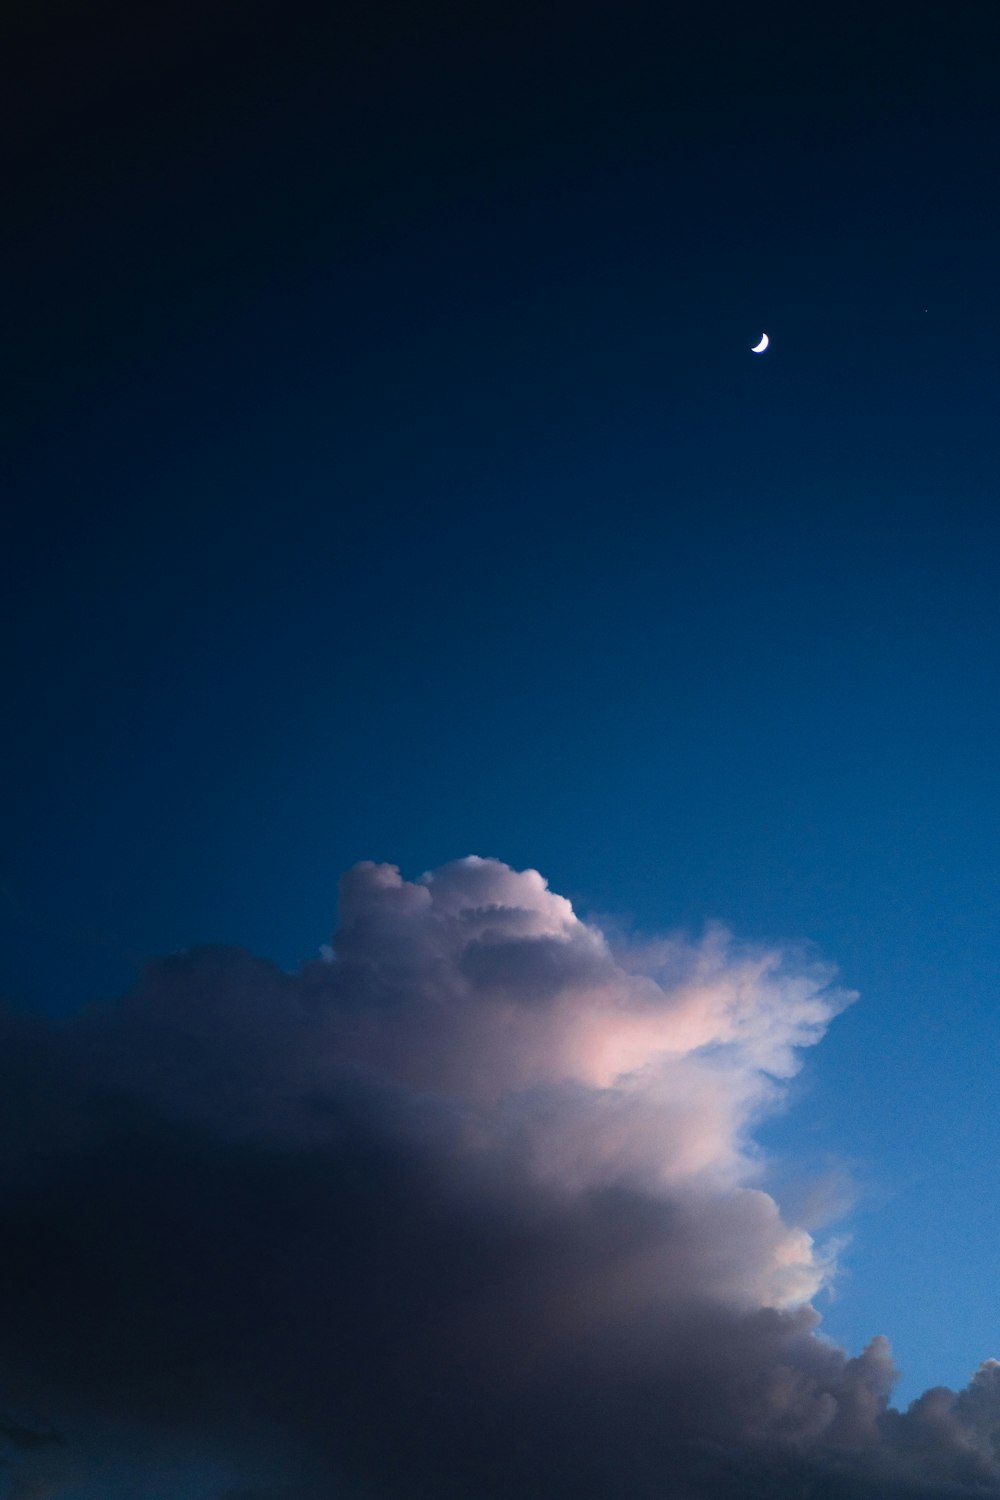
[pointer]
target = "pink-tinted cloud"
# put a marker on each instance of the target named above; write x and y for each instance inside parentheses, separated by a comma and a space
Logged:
(471, 1205)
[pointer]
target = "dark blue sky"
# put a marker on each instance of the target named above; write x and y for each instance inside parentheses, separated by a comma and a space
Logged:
(388, 477)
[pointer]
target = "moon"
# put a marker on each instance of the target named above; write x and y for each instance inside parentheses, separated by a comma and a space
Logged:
(759, 348)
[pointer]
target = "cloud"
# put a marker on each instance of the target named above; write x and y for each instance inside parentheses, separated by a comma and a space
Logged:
(471, 1206)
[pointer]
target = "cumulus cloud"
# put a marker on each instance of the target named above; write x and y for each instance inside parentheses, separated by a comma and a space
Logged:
(470, 1206)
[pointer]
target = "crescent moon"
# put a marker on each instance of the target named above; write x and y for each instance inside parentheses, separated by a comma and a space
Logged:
(759, 348)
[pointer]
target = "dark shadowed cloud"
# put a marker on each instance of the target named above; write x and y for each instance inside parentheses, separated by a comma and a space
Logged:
(470, 1207)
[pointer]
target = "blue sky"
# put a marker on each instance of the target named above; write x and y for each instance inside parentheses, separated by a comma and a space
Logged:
(391, 479)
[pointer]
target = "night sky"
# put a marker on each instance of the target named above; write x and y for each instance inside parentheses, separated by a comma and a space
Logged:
(389, 481)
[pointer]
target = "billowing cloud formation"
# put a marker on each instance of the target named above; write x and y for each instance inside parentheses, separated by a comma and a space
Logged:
(469, 1208)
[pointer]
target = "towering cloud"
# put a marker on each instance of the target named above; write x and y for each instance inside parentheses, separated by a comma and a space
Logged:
(469, 1207)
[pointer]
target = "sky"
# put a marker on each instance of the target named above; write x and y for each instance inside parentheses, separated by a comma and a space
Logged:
(389, 481)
